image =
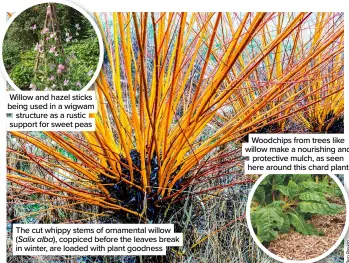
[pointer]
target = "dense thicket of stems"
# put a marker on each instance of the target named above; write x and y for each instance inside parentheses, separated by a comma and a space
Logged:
(178, 88)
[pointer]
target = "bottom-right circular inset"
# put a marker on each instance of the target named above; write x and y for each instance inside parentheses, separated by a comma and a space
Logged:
(298, 217)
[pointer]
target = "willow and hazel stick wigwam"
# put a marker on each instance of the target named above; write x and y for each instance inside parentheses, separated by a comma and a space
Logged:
(177, 92)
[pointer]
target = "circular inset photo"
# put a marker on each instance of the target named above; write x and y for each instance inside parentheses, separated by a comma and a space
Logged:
(52, 47)
(297, 217)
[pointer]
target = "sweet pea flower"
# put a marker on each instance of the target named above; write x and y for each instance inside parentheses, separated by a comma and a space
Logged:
(45, 30)
(33, 27)
(52, 77)
(52, 35)
(78, 84)
(38, 47)
(66, 82)
(68, 39)
(52, 49)
(56, 54)
(60, 68)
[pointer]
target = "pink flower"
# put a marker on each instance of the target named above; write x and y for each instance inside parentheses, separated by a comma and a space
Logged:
(52, 49)
(38, 47)
(78, 83)
(52, 35)
(66, 82)
(45, 30)
(47, 39)
(56, 54)
(33, 27)
(60, 68)
(52, 77)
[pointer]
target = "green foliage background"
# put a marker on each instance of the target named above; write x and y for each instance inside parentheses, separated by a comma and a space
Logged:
(20, 40)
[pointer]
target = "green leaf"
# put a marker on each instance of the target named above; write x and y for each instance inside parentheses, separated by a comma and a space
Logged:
(311, 186)
(278, 179)
(291, 190)
(267, 180)
(267, 221)
(277, 203)
(337, 192)
(331, 189)
(253, 216)
(259, 195)
(286, 225)
(300, 225)
(299, 178)
(313, 196)
(285, 228)
(320, 208)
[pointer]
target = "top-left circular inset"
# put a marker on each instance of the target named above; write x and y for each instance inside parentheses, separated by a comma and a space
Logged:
(52, 46)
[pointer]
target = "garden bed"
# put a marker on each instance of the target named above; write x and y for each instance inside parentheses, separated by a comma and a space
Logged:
(295, 246)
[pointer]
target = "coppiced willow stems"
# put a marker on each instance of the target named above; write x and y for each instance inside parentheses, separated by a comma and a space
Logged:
(176, 87)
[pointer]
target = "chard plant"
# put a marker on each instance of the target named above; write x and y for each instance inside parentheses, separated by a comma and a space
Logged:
(282, 202)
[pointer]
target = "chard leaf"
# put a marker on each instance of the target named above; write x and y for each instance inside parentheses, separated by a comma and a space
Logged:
(301, 226)
(267, 222)
(311, 186)
(291, 190)
(277, 203)
(298, 178)
(320, 208)
(259, 195)
(285, 228)
(313, 196)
